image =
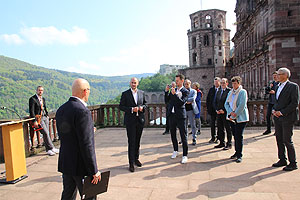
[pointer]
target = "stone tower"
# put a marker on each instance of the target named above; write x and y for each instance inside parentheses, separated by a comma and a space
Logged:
(209, 47)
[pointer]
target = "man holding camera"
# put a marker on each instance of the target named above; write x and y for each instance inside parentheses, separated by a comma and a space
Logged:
(271, 91)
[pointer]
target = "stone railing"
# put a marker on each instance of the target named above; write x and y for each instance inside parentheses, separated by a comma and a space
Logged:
(109, 115)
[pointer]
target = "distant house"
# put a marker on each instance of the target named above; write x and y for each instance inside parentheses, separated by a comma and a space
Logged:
(168, 69)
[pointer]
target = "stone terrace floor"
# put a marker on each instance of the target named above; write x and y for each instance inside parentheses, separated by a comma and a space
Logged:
(209, 173)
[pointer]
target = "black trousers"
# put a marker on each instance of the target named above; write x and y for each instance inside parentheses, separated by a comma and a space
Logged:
(268, 117)
(238, 131)
(284, 133)
(180, 123)
(213, 118)
(71, 184)
(223, 124)
(167, 124)
(134, 134)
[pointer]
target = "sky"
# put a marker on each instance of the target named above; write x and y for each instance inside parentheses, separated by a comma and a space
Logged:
(102, 37)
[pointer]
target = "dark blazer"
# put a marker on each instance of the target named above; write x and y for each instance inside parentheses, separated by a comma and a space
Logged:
(76, 133)
(209, 101)
(272, 97)
(177, 103)
(127, 103)
(287, 102)
(220, 100)
(35, 106)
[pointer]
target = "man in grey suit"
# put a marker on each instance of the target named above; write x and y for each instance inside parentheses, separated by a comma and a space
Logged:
(285, 113)
(191, 109)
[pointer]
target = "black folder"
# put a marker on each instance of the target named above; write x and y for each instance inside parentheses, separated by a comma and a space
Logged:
(91, 190)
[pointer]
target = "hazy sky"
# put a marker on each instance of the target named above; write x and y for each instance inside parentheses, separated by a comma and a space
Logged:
(103, 37)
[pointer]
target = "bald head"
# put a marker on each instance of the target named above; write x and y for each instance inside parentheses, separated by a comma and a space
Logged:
(134, 82)
(81, 89)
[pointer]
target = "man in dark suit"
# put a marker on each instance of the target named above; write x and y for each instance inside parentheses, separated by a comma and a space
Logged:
(75, 127)
(167, 130)
(285, 113)
(221, 116)
(271, 91)
(133, 103)
(177, 99)
(211, 108)
(38, 110)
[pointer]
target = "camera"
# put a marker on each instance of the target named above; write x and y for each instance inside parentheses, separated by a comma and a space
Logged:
(268, 88)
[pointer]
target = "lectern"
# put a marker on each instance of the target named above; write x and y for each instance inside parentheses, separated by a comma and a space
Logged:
(14, 151)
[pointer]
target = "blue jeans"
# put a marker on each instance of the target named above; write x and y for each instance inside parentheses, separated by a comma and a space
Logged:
(237, 132)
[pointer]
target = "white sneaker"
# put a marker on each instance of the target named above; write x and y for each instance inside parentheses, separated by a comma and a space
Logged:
(55, 150)
(50, 153)
(174, 155)
(184, 159)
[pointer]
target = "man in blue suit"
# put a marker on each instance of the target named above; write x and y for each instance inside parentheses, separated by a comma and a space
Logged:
(75, 127)
(177, 99)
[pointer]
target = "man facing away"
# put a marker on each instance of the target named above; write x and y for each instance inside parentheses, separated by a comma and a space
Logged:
(221, 116)
(75, 127)
(211, 108)
(191, 109)
(133, 103)
(271, 91)
(38, 110)
(285, 113)
(177, 113)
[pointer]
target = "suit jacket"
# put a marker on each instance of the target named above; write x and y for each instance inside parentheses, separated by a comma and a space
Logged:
(272, 97)
(220, 99)
(35, 106)
(192, 98)
(209, 101)
(127, 103)
(287, 102)
(76, 133)
(177, 102)
(241, 106)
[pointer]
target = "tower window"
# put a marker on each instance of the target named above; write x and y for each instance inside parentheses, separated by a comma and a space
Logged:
(208, 25)
(206, 40)
(220, 53)
(196, 22)
(209, 61)
(194, 58)
(208, 17)
(193, 42)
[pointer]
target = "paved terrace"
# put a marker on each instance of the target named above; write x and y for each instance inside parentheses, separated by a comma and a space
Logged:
(209, 174)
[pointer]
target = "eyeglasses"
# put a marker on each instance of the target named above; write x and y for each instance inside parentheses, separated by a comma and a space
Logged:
(279, 74)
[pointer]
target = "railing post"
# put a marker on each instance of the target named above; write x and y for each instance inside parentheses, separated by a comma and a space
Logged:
(154, 115)
(119, 116)
(160, 114)
(54, 130)
(26, 138)
(147, 113)
(251, 113)
(50, 133)
(113, 110)
(107, 116)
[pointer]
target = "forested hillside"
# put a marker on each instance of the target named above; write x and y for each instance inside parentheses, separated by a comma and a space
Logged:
(18, 82)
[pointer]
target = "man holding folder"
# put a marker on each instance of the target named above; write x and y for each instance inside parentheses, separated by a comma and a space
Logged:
(75, 127)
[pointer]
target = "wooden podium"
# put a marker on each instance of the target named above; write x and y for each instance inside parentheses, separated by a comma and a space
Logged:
(14, 151)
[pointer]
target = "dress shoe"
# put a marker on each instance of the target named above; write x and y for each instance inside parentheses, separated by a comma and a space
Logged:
(138, 163)
(238, 160)
(267, 132)
(227, 147)
(131, 167)
(220, 145)
(212, 141)
(194, 142)
(280, 163)
(180, 142)
(198, 133)
(290, 167)
(166, 132)
(233, 156)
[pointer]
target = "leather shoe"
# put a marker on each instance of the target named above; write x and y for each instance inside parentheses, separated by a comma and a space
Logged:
(238, 160)
(219, 145)
(166, 132)
(138, 163)
(131, 167)
(290, 167)
(280, 163)
(233, 156)
(212, 140)
(267, 132)
(194, 142)
(227, 147)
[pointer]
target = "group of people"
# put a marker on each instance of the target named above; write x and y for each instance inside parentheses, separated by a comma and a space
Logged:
(77, 157)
